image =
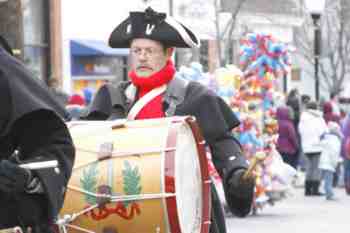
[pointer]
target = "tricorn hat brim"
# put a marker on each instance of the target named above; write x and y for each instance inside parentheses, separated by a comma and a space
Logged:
(155, 26)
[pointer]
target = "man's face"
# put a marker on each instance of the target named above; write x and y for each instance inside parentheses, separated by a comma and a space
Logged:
(147, 56)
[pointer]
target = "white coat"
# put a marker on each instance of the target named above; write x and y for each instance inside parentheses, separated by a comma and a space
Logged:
(311, 127)
(330, 155)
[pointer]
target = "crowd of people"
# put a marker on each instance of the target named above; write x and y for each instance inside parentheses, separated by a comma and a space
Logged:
(314, 138)
(76, 103)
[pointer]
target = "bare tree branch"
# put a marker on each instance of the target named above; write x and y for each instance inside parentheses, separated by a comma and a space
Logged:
(324, 74)
(217, 27)
(335, 62)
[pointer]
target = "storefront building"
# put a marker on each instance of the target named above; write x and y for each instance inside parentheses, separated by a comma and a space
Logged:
(94, 63)
(32, 28)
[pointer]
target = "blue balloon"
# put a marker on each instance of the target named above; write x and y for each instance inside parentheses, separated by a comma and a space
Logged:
(252, 37)
(247, 52)
(249, 138)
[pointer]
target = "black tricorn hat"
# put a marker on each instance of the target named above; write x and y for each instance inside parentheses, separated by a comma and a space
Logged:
(155, 26)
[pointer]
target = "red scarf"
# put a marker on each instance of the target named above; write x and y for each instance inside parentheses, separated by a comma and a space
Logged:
(154, 108)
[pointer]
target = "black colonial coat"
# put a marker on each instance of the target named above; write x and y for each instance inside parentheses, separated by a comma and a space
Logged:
(32, 122)
(213, 115)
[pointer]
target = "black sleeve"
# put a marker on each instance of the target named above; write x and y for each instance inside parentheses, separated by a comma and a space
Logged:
(43, 136)
(217, 119)
(214, 117)
(228, 157)
(5, 103)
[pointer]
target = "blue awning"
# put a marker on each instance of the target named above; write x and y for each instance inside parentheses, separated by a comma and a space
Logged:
(94, 48)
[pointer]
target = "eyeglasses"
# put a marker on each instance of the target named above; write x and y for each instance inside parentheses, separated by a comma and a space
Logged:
(148, 52)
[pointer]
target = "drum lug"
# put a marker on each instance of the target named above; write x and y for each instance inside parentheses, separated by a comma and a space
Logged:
(105, 151)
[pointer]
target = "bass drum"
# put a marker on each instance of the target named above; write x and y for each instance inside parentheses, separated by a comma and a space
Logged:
(137, 177)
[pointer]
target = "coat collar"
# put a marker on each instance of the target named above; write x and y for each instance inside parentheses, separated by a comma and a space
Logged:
(173, 96)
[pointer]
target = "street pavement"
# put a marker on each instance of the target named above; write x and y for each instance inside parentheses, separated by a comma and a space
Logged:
(298, 214)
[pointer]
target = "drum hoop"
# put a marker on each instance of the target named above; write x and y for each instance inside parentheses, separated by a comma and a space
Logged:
(173, 220)
(171, 204)
(203, 160)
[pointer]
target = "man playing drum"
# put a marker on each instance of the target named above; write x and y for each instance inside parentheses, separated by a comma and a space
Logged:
(155, 92)
(32, 132)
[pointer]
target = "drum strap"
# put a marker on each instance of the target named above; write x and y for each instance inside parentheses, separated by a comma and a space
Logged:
(175, 94)
(144, 100)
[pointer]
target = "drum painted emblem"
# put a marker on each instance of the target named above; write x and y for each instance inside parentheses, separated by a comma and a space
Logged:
(124, 209)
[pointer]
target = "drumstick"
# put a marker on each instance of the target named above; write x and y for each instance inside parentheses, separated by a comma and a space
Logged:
(40, 165)
(260, 156)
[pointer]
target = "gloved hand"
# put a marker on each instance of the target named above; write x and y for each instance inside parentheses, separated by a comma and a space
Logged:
(13, 179)
(240, 187)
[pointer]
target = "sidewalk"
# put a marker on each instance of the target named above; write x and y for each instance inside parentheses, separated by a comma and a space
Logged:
(298, 213)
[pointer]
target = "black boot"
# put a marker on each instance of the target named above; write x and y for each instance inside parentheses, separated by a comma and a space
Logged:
(315, 188)
(308, 186)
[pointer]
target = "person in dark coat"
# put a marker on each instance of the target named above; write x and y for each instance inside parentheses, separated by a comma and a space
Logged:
(151, 37)
(294, 101)
(287, 142)
(32, 130)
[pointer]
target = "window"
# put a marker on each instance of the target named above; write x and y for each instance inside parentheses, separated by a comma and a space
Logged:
(295, 75)
(36, 37)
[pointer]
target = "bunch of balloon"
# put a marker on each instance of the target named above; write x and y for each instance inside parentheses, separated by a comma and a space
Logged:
(263, 60)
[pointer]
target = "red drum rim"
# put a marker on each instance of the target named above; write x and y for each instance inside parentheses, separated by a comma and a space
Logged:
(170, 176)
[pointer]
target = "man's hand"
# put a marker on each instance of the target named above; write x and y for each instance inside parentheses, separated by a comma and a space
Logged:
(13, 179)
(239, 186)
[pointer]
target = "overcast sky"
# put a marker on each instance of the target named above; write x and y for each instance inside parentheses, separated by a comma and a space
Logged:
(96, 19)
